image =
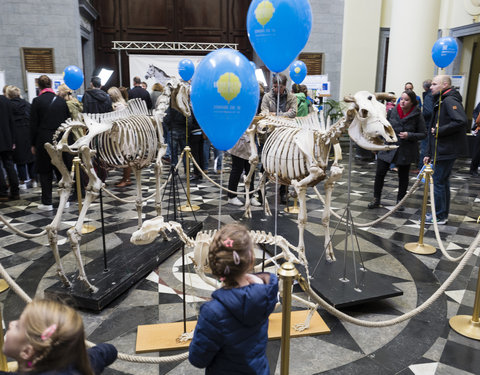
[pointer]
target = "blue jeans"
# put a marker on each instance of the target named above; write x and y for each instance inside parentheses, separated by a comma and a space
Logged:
(217, 154)
(441, 187)
(177, 144)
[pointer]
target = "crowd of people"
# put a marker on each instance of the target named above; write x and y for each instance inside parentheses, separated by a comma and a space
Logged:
(50, 336)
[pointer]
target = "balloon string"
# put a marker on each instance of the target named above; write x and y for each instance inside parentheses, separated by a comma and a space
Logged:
(220, 197)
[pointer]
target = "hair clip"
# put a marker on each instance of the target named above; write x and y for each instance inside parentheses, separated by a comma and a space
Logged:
(48, 332)
(226, 271)
(228, 243)
(236, 258)
(222, 279)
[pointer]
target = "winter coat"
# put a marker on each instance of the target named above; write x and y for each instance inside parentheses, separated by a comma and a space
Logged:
(7, 127)
(75, 108)
(154, 95)
(140, 92)
(21, 117)
(96, 101)
(302, 104)
(242, 147)
(407, 150)
(452, 137)
(101, 356)
(427, 108)
(232, 330)
(287, 107)
(48, 112)
(175, 121)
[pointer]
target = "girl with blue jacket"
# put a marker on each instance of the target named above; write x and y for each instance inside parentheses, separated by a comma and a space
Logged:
(232, 330)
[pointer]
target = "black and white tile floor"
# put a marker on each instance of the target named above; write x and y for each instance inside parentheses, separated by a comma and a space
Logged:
(423, 345)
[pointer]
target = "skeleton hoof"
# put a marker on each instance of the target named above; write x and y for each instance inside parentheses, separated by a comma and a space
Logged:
(300, 327)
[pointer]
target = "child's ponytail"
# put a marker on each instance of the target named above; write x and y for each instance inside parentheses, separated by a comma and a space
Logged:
(231, 253)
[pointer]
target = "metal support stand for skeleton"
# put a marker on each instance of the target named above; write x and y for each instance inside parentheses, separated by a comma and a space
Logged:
(174, 197)
(350, 231)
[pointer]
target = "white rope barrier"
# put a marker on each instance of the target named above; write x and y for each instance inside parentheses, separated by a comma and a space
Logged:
(18, 231)
(412, 190)
(435, 227)
(365, 323)
(123, 356)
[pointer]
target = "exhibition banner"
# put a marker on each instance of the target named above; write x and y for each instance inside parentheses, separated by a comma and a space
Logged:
(157, 68)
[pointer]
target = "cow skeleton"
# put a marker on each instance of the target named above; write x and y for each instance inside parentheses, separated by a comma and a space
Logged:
(297, 150)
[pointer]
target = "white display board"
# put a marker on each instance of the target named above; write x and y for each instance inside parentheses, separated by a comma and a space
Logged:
(157, 68)
(32, 86)
(319, 84)
(459, 83)
(2, 79)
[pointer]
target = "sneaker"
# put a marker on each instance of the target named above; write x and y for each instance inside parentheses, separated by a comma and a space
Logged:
(235, 201)
(254, 202)
(45, 207)
(22, 186)
(34, 184)
(429, 220)
(374, 204)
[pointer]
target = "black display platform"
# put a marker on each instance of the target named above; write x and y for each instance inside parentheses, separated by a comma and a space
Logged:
(127, 264)
(325, 280)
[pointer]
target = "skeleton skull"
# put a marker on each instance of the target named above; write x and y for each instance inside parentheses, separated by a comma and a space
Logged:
(370, 128)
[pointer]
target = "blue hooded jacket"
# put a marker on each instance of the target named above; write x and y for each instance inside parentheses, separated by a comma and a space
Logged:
(232, 330)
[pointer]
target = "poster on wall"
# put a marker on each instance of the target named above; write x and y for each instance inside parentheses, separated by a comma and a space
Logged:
(157, 68)
(32, 83)
(319, 84)
(459, 83)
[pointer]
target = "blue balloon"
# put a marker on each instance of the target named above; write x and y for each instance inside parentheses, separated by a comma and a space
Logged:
(253, 65)
(224, 96)
(278, 30)
(73, 77)
(298, 71)
(186, 69)
(444, 51)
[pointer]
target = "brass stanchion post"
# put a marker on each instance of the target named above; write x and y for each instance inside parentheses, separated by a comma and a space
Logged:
(287, 273)
(466, 325)
(188, 206)
(294, 209)
(86, 228)
(419, 247)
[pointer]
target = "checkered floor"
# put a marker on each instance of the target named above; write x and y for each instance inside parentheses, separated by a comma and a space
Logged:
(422, 345)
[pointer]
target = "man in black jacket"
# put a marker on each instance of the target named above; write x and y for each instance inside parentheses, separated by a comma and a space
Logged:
(137, 91)
(48, 112)
(96, 100)
(446, 139)
(7, 145)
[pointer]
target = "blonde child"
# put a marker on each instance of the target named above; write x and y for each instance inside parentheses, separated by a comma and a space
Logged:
(50, 337)
(232, 330)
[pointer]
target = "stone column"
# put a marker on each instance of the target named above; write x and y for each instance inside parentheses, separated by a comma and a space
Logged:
(413, 31)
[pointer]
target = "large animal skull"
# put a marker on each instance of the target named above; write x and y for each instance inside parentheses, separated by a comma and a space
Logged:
(370, 128)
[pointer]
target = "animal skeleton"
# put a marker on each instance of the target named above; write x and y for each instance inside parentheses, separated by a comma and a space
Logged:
(297, 150)
(130, 137)
(151, 228)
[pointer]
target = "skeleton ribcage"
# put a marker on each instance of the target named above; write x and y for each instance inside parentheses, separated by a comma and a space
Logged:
(132, 141)
(282, 157)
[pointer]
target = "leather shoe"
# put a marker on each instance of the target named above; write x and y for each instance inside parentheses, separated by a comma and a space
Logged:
(374, 204)
(124, 183)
